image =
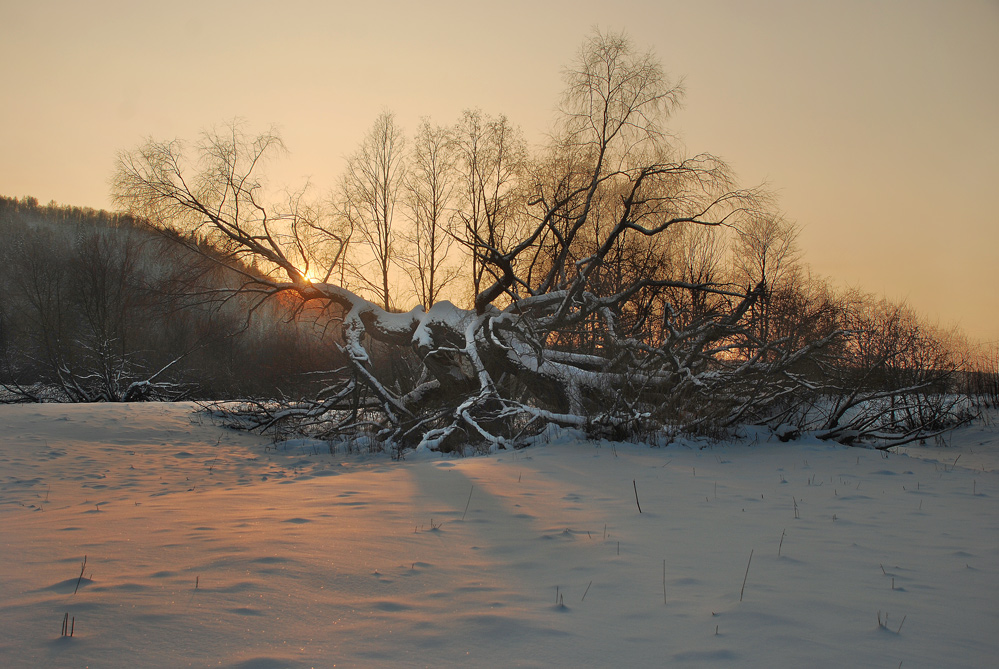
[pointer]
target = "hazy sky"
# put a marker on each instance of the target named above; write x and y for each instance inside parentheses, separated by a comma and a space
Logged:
(876, 122)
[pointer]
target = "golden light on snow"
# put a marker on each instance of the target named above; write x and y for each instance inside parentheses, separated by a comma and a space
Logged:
(256, 554)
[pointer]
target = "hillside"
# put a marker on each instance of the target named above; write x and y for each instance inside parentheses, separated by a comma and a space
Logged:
(96, 304)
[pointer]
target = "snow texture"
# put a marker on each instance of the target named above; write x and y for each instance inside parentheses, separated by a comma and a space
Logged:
(210, 547)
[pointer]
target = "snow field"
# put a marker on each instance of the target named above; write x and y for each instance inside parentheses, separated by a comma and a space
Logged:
(206, 547)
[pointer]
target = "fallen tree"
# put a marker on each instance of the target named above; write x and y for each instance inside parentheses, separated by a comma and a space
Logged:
(577, 320)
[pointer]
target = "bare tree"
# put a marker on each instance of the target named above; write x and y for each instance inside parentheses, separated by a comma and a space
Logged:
(893, 380)
(430, 190)
(491, 156)
(766, 254)
(370, 191)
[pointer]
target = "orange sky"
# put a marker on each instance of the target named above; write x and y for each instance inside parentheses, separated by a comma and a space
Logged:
(876, 122)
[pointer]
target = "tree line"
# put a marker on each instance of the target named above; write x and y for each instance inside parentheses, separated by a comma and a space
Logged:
(98, 307)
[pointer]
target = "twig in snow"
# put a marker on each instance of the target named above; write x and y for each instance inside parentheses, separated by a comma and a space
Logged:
(216, 453)
(467, 503)
(82, 567)
(635, 486)
(747, 574)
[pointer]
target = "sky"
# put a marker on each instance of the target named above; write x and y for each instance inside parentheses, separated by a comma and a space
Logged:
(875, 122)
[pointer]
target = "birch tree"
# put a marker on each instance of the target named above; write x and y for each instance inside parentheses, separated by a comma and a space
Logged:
(491, 155)
(430, 187)
(370, 192)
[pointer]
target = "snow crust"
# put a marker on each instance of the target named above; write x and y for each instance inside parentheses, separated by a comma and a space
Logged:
(207, 547)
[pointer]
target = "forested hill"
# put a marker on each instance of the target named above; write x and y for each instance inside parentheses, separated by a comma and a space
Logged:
(27, 210)
(98, 307)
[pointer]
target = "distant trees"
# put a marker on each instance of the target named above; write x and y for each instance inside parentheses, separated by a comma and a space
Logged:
(981, 378)
(617, 284)
(95, 307)
(75, 314)
(893, 380)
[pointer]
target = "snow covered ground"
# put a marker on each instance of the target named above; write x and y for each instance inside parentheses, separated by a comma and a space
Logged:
(208, 547)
